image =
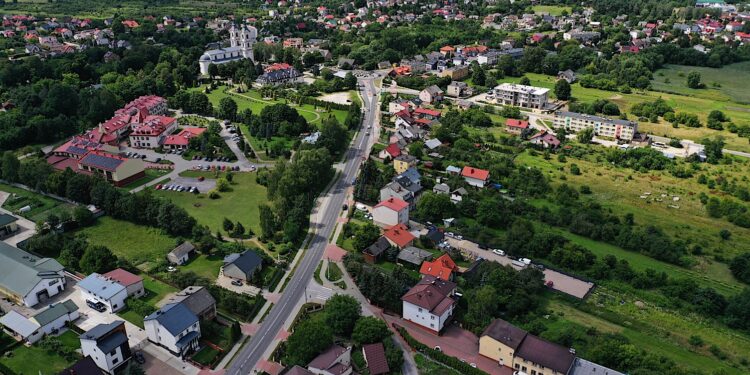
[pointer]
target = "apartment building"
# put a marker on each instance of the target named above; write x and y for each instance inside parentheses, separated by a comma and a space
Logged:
(521, 95)
(603, 126)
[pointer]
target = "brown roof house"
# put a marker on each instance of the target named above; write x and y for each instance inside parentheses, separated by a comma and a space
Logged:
(375, 358)
(513, 347)
(336, 360)
(430, 303)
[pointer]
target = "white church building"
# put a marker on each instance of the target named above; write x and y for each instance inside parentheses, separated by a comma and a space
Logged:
(241, 40)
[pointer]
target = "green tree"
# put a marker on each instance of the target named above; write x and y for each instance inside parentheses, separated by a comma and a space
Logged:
(342, 312)
(227, 225)
(694, 80)
(9, 167)
(365, 235)
(713, 149)
(227, 109)
(309, 339)
(267, 221)
(415, 149)
(333, 136)
(585, 135)
(97, 259)
(740, 267)
(368, 330)
(478, 76)
(562, 89)
(524, 81)
(435, 207)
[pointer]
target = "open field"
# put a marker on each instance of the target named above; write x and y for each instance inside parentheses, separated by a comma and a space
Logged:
(204, 265)
(553, 10)
(136, 243)
(739, 113)
(238, 204)
(620, 189)
(733, 80)
(35, 360)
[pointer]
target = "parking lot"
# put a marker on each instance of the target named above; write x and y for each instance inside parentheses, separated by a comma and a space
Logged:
(188, 182)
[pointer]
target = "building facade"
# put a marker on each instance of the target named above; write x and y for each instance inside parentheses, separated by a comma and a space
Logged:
(241, 41)
(521, 95)
(175, 328)
(603, 126)
(430, 303)
(27, 279)
(107, 345)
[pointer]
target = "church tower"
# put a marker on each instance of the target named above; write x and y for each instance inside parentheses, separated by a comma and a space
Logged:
(243, 37)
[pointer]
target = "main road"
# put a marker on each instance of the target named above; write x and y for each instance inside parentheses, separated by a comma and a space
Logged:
(323, 224)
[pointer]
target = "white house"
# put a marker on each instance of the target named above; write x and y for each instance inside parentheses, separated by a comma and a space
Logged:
(430, 303)
(392, 211)
(475, 176)
(107, 345)
(431, 94)
(133, 283)
(21, 327)
(98, 288)
(56, 317)
(27, 279)
(175, 328)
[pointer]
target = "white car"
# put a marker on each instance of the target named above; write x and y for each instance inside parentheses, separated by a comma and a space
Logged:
(498, 252)
(449, 234)
(171, 269)
(525, 261)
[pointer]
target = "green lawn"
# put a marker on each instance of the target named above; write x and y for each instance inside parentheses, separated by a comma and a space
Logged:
(35, 360)
(155, 292)
(733, 80)
(41, 206)
(334, 272)
(239, 204)
(206, 356)
(151, 174)
(553, 10)
(204, 265)
(136, 243)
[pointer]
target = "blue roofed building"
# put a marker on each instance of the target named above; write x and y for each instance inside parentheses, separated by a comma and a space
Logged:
(98, 288)
(107, 345)
(175, 328)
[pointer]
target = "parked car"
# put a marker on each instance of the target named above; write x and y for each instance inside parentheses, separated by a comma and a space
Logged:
(498, 252)
(201, 178)
(158, 187)
(171, 269)
(96, 305)
(236, 282)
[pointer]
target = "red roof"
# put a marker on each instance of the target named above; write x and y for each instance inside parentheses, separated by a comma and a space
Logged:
(394, 204)
(393, 150)
(447, 49)
(123, 277)
(479, 174)
(441, 267)
(428, 112)
(183, 138)
(400, 235)
(375, 358)
(513, 123)
(278, 66)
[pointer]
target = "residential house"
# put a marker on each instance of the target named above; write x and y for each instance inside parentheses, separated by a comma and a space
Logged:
(242, 266)
(442, 268)
(56, 317)
(8, 225)
(27, 279)
(523, 352)
(452, 170)
(181, 140)
(432, 144)
(391, 211)
(567, 75)
(603, 126)
(458, 195)
(456, 89)
(545, 139)
(98, 288)
(175, 328)
(414, 255)
(390, 152)
(584, 367)
(181, 254)
(336, 360)
(441, 188)
(455, 73)
(107, 345)
(375, 358)
(84, 366)
(133, 283)
(521, 95)
(399, 236)
(373, 252)
(514, 126)
(403, 162)
(20, 327)
(475, 176)
(298, 370)
(401, 188)
(279, 73)
(431, 94)
(430, 303)
(197, 299)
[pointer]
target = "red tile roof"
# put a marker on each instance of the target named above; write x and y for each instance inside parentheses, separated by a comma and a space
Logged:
(393, 203)
(426, 111)
(183, 137)
(123, 277)
(431, 294)
(479, 174)
(441, 267)
(513, 123)
(374, 354)
(400, 235)
(393, 150)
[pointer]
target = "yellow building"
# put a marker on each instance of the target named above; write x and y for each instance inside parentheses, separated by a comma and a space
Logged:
(403, 162)
(525, 353)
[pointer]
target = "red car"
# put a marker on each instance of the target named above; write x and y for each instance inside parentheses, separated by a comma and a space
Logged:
(158, 187)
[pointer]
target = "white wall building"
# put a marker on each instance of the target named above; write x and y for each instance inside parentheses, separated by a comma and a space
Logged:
(521, 95)
(241, 40)
(392, 211)
(430, 303)
(603, 126)
(98, 288)
(175, 328)
(107, 345)
(28, 279)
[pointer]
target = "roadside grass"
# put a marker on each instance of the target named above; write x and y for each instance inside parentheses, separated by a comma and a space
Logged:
(204, 265)
(206, 356)
(151, 174)
(620, 189)
(238, 204)
(733, 80)
(739, 113)
(316, 275)
(136, 243)
(553, 10)
(41, 206)
(333, 272)
(427, 366)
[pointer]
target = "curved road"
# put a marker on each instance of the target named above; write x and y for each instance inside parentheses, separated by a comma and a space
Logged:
(324, 222)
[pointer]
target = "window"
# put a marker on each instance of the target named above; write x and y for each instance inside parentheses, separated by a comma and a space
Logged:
(432, 317)
(115, 360)
(523, 368)
(420, 309)
(516, 366)
(113, 353)
(533, 372)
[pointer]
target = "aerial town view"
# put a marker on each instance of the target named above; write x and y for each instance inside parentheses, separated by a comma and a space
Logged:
(330, 187)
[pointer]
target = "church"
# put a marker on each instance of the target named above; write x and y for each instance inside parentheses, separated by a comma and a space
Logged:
(241, 39)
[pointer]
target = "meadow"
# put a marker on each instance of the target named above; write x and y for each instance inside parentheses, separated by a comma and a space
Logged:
(728, 83)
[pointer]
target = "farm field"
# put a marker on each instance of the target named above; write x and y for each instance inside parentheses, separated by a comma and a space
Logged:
(733, 80)
(739, 113)
(136, 243)
(238, 204)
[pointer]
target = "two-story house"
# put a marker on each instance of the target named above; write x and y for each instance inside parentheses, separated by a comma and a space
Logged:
(430, 303)
(107, 345)
(175, 328)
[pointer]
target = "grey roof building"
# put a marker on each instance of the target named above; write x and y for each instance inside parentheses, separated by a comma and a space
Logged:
(26, 278)
(414, 255)
(107, 344)
(242, 266)
(584, 367)
(181, 253)
(197, 299)
(173, 327)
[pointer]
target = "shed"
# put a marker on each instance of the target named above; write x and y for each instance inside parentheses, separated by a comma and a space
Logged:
(181, 254)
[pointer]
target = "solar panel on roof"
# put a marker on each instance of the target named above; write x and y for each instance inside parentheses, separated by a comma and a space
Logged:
(101, 161)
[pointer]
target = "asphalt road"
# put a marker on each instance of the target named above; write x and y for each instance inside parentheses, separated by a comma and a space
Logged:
(252, 353)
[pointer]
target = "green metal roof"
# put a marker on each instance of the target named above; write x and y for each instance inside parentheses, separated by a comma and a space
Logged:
(20, 271)
(51, 314)
(6, 219)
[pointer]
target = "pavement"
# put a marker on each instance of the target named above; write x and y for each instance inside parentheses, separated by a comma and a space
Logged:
(226, 283)
(323, 223)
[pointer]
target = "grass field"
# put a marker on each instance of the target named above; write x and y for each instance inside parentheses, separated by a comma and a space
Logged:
(239, 204)
(204, 265)
(41, 206)
(733, 80)
(35, 360)
(136, 243)
(739, 113)
(553, 10)
(155, 292)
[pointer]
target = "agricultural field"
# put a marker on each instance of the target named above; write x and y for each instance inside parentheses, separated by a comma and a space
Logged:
(240, 203)
(700, 106)
(732, 81)
(553, 10)
(138, 244)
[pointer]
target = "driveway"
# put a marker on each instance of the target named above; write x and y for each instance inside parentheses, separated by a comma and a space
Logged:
(226, 283)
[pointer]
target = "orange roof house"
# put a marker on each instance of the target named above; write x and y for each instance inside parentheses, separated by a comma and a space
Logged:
(475, 176)
(442, 267)
(399, 236)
